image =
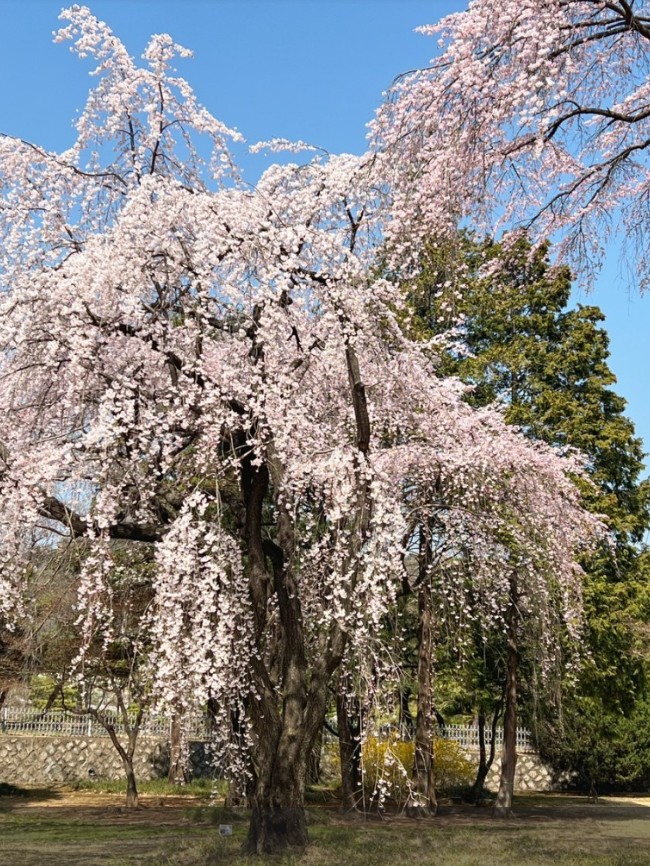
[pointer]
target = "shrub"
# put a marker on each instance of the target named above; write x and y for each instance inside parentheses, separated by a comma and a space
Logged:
(388, 762)
(452, 768)
(596, 746)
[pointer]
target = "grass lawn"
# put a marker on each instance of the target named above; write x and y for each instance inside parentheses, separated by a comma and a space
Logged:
(87, 828)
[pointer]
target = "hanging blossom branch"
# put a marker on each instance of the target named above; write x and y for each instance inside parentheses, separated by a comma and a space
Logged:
(216, 372)
(534, 114)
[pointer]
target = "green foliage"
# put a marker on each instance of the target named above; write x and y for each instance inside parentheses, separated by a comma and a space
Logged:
(519, 346)
(596, 748)
(545, 364)
(46, 693)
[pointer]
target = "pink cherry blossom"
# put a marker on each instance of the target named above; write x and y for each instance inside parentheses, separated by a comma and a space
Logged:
(534, 114)
(220, 372)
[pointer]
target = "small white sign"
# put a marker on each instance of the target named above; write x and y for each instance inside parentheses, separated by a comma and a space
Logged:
(225, 829)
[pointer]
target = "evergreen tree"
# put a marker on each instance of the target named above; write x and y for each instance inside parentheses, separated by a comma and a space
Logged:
(548, 365)
(519, 345)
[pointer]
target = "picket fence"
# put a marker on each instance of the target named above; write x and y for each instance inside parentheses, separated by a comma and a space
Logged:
(20, 720)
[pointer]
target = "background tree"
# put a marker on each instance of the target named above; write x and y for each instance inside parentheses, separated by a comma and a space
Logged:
(12, 662)
(546, 366)
(105, 675)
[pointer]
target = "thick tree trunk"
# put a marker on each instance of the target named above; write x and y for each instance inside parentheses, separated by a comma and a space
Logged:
(287, 711)
(278, 823)
(348, 718)
(283, 745)
(503, 805)
(314, 769)
(422, 801)
(282, 737)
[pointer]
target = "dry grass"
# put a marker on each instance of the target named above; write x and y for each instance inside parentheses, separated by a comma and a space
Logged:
(88, 829)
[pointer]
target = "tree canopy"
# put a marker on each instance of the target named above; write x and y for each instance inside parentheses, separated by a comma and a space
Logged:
(534, 114)
(218, 371)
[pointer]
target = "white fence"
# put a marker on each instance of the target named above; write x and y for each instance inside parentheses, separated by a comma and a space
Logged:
(467, 736)
(28, 721)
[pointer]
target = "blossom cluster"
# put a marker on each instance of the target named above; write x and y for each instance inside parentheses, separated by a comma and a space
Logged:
(215, 371)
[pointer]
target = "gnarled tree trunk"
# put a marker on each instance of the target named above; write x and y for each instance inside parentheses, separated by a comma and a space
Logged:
(288, 704)
(284, 739)
(278, 822)
(314, 775)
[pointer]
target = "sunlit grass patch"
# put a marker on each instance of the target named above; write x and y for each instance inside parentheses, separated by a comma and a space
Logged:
(157, 787)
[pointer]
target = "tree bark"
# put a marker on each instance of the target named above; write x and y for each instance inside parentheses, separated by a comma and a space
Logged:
(127, 760)
(131, 786)
(485, 761)
(286, 715)
(314, 770)
(422, 801)
(503, 805)
(126, 754)
(289, 693)
(178, 774)
(278, 823)
(348, 718)
(406, 720)
(281, 758)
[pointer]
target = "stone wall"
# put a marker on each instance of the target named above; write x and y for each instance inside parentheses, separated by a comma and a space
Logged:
(531, 774)
(43, 760)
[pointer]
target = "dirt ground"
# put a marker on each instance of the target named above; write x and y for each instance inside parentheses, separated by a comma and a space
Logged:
(90, 807)
(100, 808)
(609, 814)
(69, 828)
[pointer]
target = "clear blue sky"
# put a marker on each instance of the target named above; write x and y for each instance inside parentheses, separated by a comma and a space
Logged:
(299, 69)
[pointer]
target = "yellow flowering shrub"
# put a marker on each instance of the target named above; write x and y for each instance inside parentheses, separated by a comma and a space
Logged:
(452, 768)
(388, 763)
